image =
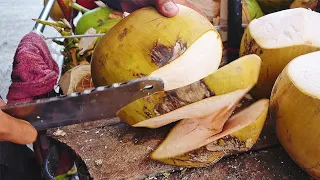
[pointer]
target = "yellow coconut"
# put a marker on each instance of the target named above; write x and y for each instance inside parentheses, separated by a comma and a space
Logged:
(278, 38)
(294, 107)
(192, 143)
(157, 110)
(180, 50)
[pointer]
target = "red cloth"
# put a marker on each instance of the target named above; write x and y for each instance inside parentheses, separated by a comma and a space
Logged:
(34, 71)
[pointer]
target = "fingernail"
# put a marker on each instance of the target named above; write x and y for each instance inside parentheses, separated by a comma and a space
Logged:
(169, 6)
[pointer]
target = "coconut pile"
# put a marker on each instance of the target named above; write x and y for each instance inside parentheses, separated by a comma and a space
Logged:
(202, 103)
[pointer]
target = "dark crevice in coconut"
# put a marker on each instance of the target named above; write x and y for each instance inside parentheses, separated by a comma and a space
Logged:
(183, 96)
(162, 54)
(123, 34)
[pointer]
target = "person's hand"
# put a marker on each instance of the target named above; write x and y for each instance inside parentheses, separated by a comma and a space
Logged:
(167, 8)
(16, 130)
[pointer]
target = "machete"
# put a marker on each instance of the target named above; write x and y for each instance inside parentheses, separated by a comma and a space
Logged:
(90, 105)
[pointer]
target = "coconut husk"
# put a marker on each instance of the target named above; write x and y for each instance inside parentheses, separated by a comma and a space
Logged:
(111, 149)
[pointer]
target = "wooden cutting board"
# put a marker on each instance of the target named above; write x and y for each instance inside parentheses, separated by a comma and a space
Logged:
(114, 150)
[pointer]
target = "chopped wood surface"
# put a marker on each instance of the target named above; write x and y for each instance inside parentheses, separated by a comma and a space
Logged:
(112, 149)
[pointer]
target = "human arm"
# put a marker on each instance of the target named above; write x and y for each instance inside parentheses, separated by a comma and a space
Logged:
(15, 130)
(166, 7)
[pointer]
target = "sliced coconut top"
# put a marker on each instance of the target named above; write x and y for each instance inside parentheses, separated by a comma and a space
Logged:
(286, 28)
(304, 71)
(200, 109)
(200, 60)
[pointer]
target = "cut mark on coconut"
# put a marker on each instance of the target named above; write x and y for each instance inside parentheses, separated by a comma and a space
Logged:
(201, 59)
(304, 71)
(183, 96)
(190, 133)
(286, 28)
(195, 110)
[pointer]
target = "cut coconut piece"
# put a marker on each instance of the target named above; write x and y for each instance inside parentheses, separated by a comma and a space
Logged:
(239, 134)
(201, 120)
(197, 110)
(76, 79)
(238, 74)
(278, 38)
(180, 50)
(295, 109)
(200, 60)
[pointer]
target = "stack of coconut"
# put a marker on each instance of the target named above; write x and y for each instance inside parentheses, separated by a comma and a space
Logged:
(277, 67)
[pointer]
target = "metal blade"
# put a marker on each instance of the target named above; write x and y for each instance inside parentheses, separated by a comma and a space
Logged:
(219, 28)
(89, 105)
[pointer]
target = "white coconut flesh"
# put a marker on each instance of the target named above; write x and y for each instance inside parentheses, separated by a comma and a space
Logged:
(304, 72)
(190, 135)
(286, 28)
(201, 59)
(200, 109)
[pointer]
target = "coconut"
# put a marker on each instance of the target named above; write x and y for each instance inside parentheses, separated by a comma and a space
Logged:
(56, 13)
(278, 38)
(76, 79)
(99, 18)
(179, 50)
(195, 142)
(250, 10)
(270, 6)
(160, 108)
(294, 107)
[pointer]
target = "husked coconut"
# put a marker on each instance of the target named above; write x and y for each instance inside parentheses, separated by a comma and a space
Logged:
(294, 107)
(277, 38)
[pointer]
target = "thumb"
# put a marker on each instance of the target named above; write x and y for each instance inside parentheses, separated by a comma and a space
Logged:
(16, 130)
(167, 7)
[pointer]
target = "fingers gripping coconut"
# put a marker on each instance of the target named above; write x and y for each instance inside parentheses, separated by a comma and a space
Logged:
(167, 8)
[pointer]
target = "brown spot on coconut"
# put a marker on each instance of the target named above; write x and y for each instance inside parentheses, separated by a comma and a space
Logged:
(240, 132)
(187, 44)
